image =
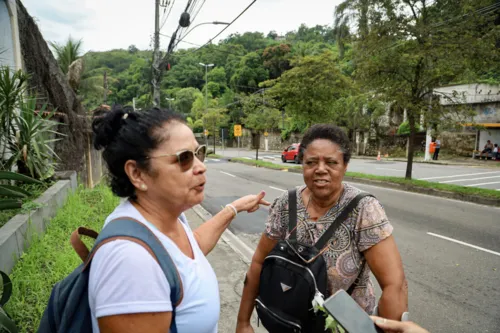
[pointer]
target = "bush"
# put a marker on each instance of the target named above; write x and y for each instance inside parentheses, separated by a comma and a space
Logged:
(50, 257)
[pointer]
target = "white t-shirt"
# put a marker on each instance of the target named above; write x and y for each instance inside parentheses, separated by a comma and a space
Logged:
(125, 278)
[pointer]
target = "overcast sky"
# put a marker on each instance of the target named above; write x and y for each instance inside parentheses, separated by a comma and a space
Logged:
(111, 24)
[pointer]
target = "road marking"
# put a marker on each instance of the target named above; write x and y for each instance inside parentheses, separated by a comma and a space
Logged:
(466, 180)
(213, 159)
(228, 174)
(389, 169)
(482, 184)
(455, 176)
(463, 243)
(248, 158)
(279, 189)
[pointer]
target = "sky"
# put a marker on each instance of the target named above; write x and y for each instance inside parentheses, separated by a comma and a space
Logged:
(112, 24)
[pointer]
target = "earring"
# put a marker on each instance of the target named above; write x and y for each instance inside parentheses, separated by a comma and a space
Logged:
(144, 187)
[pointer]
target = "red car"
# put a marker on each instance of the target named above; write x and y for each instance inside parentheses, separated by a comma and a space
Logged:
(291, 153)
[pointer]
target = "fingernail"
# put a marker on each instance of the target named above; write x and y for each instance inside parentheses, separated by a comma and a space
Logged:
(380, 321)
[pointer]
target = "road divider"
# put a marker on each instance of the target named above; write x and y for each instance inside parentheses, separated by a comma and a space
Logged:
(463, 243)
(464, 193)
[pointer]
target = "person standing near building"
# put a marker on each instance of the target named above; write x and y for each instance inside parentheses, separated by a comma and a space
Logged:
(436, 151)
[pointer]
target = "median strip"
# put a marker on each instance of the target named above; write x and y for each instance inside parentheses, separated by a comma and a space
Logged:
(457, 192)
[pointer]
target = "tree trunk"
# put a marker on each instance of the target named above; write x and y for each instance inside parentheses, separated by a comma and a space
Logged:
(409, 165)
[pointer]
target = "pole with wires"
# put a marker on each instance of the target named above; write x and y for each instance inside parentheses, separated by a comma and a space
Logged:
(156, 57)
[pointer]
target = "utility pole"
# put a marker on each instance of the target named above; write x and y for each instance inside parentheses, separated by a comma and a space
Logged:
(105, 85)
(156, 57)
(206, 99)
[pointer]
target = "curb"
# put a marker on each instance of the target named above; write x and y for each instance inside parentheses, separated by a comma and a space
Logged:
(408, 188)
(243, 250)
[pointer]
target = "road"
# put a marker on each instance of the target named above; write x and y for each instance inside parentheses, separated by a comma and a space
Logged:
(453, 286)
(485, 177)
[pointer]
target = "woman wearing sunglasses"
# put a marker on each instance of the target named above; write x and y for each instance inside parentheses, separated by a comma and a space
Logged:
(155, 162)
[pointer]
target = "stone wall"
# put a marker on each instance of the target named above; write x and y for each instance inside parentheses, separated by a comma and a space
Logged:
(458, 143)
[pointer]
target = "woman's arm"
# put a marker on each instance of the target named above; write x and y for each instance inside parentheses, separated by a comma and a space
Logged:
(207, 235)
(136, 323)
(385, 263)
(251, 287)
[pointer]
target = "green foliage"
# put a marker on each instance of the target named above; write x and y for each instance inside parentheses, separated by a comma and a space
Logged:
(249, 73)
(260, 113)
(310, 89)
(31, 146)
(67, 53)
(12, 88)
(184, 99)
(404, 128)
(11, 196)
(50, 257)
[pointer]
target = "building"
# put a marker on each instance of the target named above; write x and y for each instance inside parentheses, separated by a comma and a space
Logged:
(10, 48)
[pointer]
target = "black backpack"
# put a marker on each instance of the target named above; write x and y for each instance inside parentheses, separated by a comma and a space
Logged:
(68, 309)
(293, 274)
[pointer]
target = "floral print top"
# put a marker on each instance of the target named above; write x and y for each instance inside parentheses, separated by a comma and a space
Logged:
(365, 226)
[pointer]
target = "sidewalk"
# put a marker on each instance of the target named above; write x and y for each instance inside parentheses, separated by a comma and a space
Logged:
(230, 270)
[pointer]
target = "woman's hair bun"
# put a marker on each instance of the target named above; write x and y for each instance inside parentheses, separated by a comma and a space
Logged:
(106, 124)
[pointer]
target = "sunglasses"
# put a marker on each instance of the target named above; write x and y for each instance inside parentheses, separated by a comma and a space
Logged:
(185, 158)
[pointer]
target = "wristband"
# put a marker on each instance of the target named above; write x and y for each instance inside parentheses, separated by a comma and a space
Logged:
(233, 208)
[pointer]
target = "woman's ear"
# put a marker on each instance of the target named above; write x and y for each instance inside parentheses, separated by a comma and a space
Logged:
(135, 175)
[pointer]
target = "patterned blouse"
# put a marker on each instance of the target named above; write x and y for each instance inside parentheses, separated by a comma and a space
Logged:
(366, 226)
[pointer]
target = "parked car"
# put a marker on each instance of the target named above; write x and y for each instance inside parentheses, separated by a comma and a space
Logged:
(291, 153)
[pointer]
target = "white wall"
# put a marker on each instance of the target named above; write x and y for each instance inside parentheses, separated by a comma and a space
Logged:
(470, 93)
(9, 35)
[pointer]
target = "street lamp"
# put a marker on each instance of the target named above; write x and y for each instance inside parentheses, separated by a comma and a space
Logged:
(204, 23)
(170, 101)
(206, 98)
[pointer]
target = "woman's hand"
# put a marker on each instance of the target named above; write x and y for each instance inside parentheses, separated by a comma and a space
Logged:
(392, 326)
(250, 203)
(244, 328)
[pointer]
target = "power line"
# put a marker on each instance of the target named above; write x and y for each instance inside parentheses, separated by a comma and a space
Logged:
(227, 26)
(168, 15)
(198, 45)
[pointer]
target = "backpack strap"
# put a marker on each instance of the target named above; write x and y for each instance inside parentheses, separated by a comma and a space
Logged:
(292, 213)
(135, 231)
(327, 235)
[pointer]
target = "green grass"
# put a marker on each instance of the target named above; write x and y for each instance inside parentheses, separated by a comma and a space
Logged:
(36, 190)
(264, 164)
(50, 257)
(215, 156)
(398, 180)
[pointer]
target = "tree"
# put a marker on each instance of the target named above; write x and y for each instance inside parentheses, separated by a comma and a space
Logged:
(66, 54)
(251, 41)
(133, 49)
(413, 47)
(276, 59)
(184, 99)
(249, 73)
(310, 89)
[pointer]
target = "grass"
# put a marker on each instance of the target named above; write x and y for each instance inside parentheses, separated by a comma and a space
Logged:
(50, 257)
(215, 156)
(476, 191)
(36, 190)
(264, 164)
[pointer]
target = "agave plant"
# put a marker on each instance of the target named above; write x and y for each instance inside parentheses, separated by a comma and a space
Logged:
(31, 146)
(12, 88)
(10, 195)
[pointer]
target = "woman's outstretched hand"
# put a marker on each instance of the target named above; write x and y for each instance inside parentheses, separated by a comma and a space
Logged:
(250, 203)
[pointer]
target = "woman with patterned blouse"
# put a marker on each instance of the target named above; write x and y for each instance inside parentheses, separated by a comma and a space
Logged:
(362, 244)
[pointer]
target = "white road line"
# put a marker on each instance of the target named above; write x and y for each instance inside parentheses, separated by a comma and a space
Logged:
(214, 159)
(469, 179)
(389, 169)
(463, 243)
(455, 176)
(248, 158)
(279, 189)
(482, 184)
(228, 174)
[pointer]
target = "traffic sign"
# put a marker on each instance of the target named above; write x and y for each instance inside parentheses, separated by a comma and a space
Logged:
(237, 130)
(205, 132)
(266, 134)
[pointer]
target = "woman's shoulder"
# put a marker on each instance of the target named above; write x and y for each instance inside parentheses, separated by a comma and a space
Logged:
(282, 200)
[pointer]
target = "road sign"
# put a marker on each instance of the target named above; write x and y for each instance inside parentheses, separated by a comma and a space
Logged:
(205, 132)
(237, 130)
(266, 134)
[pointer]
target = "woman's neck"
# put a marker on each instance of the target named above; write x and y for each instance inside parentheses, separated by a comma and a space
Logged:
(164, 219)
(328, 202)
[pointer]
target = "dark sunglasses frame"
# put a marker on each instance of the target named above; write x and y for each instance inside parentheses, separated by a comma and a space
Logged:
(191, 159)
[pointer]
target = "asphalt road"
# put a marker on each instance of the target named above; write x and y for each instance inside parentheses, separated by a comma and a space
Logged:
(454, 287)
(485, 177)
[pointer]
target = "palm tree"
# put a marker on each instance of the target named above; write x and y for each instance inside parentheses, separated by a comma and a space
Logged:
(68, 53)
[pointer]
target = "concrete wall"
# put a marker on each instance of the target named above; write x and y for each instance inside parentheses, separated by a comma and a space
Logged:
(17, 234)
(9, 35)
(487, 112)
(469, 93)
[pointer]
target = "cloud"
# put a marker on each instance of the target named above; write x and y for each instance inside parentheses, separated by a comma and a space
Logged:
(111, 24)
